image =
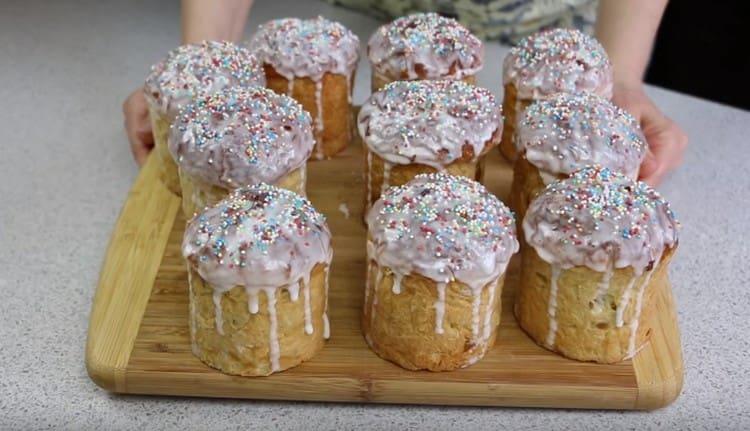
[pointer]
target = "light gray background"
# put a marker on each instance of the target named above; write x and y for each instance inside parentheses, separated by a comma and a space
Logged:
(65, 168)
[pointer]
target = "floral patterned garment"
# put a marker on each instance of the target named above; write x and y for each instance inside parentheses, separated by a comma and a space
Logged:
(505, 20)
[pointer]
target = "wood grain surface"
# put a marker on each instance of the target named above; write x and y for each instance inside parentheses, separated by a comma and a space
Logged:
(139, 338)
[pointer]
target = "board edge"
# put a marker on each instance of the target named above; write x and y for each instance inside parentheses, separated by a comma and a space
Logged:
(119, 301)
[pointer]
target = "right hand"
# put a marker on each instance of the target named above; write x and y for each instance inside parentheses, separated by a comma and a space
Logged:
(138, 126)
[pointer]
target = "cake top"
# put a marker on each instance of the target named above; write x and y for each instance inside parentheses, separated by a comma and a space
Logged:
(443, 227)
(567, 132)
(558, 61)
(425, 45)
(241, 136)
(600, 219)
(259, 236)
(191, 70)
(429, 122)
(306, 47)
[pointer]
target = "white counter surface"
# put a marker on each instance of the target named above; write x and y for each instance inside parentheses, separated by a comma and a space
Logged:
(65, 168)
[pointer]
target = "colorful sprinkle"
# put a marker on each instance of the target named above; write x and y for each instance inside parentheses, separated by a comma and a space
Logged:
(310, 47)
(566, 132)
(429, 122)
(196, 69)
(439, 47)
(558, 61)
(241, 136)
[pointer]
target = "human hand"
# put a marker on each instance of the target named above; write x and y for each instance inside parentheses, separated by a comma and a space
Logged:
(138, 126)
(666, 141)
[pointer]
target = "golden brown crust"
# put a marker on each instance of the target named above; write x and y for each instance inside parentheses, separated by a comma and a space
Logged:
(586, 328)
(527, 183)
(337, 115)
(197, 194)
(244, 348)
(511, 113)
(167, 166)
(402, 329)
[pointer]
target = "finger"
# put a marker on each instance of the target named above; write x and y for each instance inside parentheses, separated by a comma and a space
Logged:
(648, 165)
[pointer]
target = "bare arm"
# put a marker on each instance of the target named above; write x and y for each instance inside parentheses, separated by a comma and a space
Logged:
(213, 19)
(627, 29)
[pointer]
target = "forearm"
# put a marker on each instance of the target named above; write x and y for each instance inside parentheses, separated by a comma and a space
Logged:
(213, 19)
(626, 29)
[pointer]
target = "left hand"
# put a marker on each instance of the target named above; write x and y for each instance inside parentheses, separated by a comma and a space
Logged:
(666, 140)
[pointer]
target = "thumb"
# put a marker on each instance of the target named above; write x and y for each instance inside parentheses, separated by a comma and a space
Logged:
(649, 165)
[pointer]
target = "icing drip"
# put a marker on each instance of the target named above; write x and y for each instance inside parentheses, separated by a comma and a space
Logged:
(600, 219)
(624, 300)
(273, 336)
(558, 61)
(425, 45)
(440, 308)
(196, 69)
(567, 132)
(637, 315)
(344, 210)
(218, 311)
(552, 305)
(252, 300)
(326, 322)
(306, 48)
(489, 312)
(397, 283)
(368, 274)
(294, 289)
(290, 87)
(429, 122)
(308, 312)
(443, 227)
(602, 289)
(319, 120)
(241, 136)
(386, 176)
(475, 303)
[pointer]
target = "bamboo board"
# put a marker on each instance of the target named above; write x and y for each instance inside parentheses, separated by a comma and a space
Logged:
(139, 338)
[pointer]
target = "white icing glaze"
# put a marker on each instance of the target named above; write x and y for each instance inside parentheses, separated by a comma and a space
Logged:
(440, 308)
(443, 227)
(306, 48)
(489, 311)
(262, 238)
(567, 132)
(425, 45)
(397, 278)
(319, 119)
(241, 136)
(598, 218)
(273, 335)
(475, 303)
(196, 69)
(552, 305)
(429, 122)
(601, 290)
(326, 322)
(308, 312)
(558, 61)
(637, 315)
(624, 300)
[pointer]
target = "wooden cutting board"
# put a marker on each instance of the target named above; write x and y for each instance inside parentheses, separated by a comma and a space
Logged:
(138, 338)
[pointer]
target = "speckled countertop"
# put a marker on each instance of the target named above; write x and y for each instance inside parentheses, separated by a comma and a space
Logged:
(65, 168)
